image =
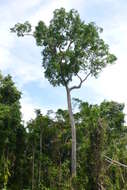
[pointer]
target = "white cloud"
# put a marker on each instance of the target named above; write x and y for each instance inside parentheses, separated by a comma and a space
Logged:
(28, 107)
(45, 12)
(25, 72)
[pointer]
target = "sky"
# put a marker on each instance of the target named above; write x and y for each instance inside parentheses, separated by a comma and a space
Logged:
(21, 58)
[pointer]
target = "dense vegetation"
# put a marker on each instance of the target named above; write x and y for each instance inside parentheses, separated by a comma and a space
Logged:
(37, 156)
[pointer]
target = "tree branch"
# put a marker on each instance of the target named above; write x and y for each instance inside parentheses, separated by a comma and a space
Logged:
(101, 186)
(28, 34)
(69, 44)
(81, 81)
(111, 161)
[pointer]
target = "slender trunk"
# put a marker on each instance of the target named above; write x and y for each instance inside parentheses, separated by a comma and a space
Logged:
(39, 175)
(33, 157)
(60, 174)
(73, 133)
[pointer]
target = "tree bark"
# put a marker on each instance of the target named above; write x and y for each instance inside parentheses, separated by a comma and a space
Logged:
(33, 157)
(40, 153)
(73, 133)
(60, 174)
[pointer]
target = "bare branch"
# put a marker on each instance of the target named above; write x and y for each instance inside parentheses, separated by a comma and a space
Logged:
(101, 186)
(111, 161)
(28, 34)
(81, 81)
(79, 78)
(69, 44)
(86, 77)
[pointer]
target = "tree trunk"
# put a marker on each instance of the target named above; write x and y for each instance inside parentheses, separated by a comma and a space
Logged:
(33, 157)
(39, 175)
(73, 133)
(60, 174)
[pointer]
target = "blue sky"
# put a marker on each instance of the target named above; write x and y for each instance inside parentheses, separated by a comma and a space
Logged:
(21, 58)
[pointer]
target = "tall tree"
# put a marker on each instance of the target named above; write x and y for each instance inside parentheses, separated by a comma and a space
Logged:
(70, 49)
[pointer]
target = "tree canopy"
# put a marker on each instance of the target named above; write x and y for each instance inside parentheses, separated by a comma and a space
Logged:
(69, 47)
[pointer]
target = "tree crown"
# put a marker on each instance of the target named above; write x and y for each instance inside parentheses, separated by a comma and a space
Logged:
(69, 47)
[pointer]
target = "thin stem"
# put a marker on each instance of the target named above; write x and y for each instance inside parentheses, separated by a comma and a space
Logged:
(115, 162)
